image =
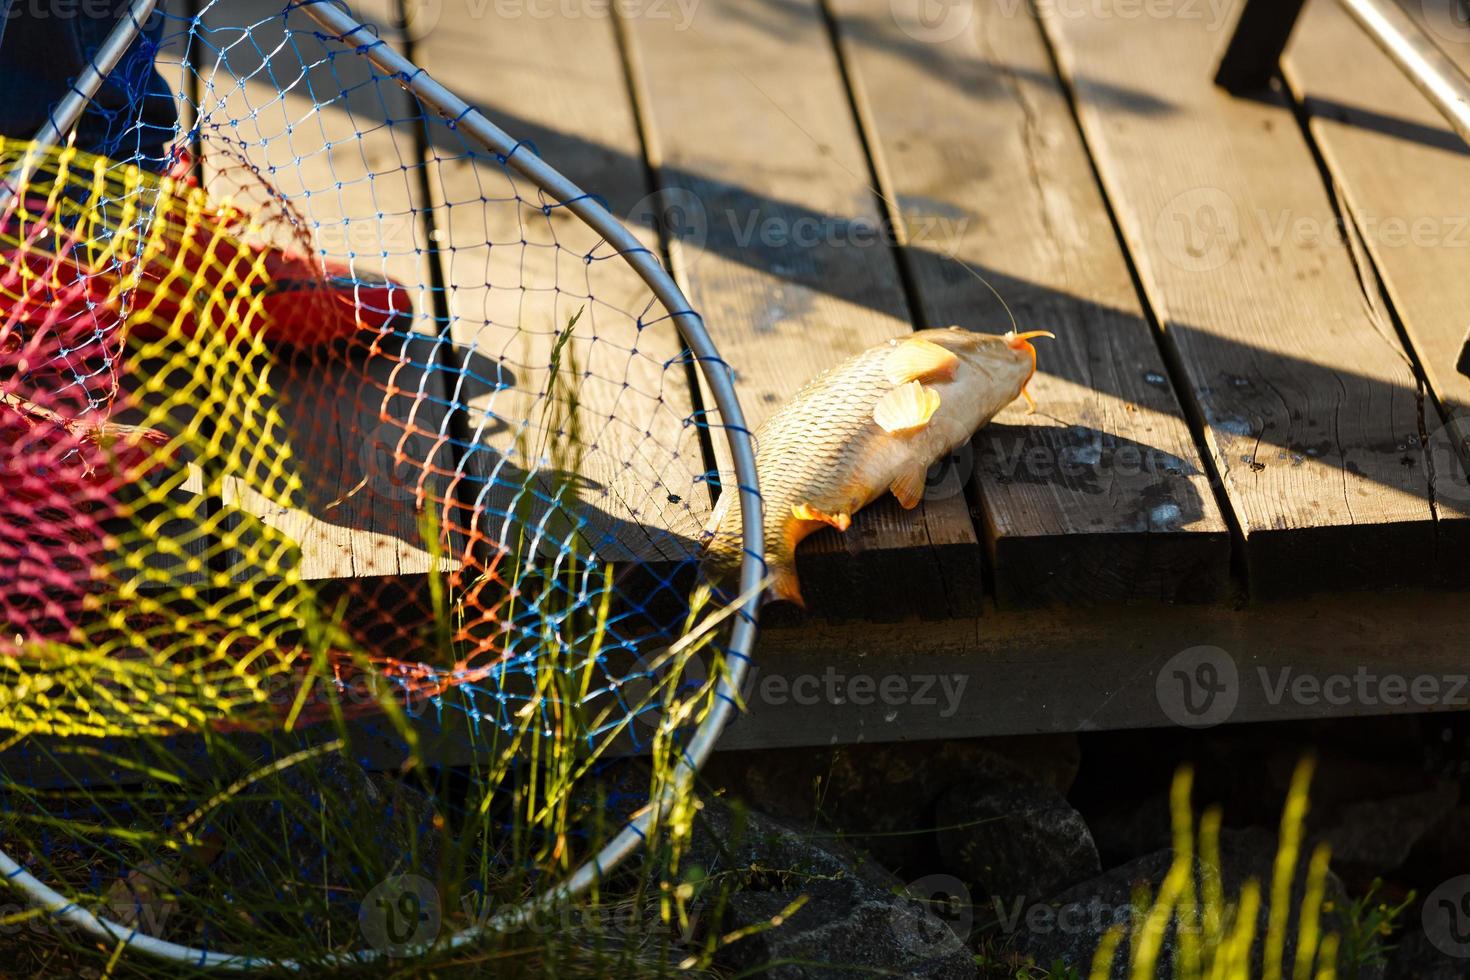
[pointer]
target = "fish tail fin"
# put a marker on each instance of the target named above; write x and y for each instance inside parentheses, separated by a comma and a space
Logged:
(785, 585)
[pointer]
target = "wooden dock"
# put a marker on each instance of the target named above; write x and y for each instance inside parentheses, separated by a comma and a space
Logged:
(1246, 459)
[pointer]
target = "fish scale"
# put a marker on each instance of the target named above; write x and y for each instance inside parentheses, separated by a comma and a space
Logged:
(824, 454)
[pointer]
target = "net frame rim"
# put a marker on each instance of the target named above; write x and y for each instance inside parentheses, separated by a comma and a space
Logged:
(341, 26)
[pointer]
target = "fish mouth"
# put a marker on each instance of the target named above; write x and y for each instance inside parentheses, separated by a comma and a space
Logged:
(1022, 342)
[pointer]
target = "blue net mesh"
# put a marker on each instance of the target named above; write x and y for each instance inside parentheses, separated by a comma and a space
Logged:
(342, 444)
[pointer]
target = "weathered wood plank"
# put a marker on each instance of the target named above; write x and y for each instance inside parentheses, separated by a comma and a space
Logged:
(1312, 413)
(309, 119)
(518, 269)
(753, 139)
(1401, 173)
(1074, 669)
(1101, 495)
(1031, 671)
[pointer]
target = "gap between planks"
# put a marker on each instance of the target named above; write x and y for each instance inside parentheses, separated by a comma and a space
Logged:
(782, 311)
(1311, 411)
(1103, 495)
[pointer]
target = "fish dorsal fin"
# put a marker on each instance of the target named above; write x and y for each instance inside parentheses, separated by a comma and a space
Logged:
(909, 487)
(905, 408)
(920, 360)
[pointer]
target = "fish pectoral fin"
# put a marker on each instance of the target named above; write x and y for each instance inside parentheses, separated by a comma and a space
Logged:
(921, 360)
(785, 585)
(806, 512)
(909, 487)
(909, 406)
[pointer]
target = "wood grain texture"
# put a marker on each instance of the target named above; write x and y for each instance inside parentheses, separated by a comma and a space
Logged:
(1404, 176)
(781, 248)
(1312, 412)
(518, 268)
(1101, 495)
(1026, 672)
(365, 422)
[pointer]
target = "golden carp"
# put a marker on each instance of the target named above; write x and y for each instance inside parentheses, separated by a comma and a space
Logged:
(876, 422)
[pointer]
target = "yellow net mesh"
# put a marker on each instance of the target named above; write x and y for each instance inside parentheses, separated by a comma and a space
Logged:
(135, 391)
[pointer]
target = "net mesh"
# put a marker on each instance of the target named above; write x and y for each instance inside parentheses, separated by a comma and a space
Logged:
(324, 436)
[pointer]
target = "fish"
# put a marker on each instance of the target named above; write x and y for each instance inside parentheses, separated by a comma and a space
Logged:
(871, 425)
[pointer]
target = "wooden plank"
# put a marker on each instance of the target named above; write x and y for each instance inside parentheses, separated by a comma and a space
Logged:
(1401, 173)
(1312, 413)
(750, 131)
(1020, 672)
(1072, 669)
(1101, 495)
(518, 269)
(310, 119)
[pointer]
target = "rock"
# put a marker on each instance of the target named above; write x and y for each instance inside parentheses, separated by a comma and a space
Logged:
(1132, 828)
(882, 796)
(1069, 925)
(1416, 958)
(1444, 850)
(1341, 778)
(857, 920)
(1374, 837)
(1014, 840)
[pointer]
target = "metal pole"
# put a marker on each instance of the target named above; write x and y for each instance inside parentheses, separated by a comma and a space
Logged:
(69, 110)
(1429, 68)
